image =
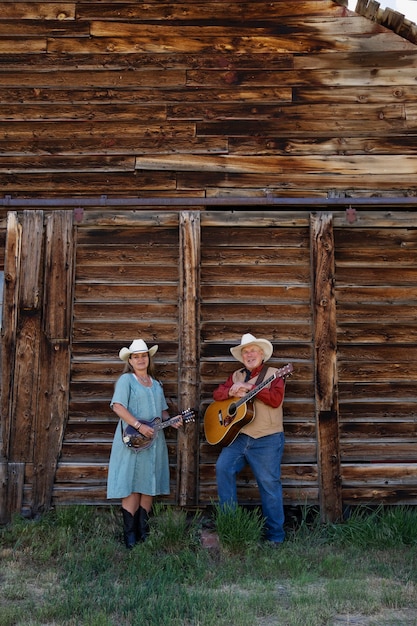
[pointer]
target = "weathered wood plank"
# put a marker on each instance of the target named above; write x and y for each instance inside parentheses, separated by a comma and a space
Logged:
(36, 46)
(243, 230)
(52, 96)
(10, 320)
(386, 332)
(125, 311)
(264, 275)
(164, 330)
(402, 295)
(321, 145)
(257, 312)
(303, 79)
(385, 429)
(115, 234)
(38, 10)
(128, 38)
(83, 112)
(359, 94)
(31, 267)
(189, 244)
(105, 293)
(326, 390)
(292, 115)
(377, 372)
(284, 331)
(296, 293)
(108, 79)
(128, 274)
(352, 60)
(287, 184)
(87, 183)
(251, 256)
(77, 129)
(380, 495)
(24, 394)
(381, 475)
(130, 253)
(186, 11)
(18, 164)
(59, 265)
(249, 495)
(377, 450)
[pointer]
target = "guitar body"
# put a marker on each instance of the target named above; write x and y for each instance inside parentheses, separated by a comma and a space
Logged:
(223, 420)
(137, 442)
(133, 439)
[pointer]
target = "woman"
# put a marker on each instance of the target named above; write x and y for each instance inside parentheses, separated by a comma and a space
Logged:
(137, 476)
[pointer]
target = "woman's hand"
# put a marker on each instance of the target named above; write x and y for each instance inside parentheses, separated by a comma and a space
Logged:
(178, 422)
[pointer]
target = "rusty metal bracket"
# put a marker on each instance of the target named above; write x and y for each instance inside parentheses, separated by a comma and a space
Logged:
(351, 216)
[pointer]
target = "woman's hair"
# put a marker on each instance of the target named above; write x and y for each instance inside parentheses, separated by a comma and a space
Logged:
(151, 367)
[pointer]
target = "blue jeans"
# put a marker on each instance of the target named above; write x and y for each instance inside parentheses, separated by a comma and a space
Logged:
(264, 456)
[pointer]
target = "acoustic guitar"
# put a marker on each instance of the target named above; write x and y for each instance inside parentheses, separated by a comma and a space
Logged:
(137, 442)
(224, 419)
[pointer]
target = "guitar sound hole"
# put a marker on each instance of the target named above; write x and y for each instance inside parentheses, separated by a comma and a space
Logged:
(232, 409)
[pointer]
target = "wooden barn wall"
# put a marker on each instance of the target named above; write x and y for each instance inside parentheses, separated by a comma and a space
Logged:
(376, 292)
(255, 277)
(334, 291)
(204, 99)
(126, 286)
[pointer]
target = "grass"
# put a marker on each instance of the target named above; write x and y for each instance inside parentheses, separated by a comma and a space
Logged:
(71, 568)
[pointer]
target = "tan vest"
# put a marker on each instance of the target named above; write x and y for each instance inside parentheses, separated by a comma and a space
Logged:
(267, 420)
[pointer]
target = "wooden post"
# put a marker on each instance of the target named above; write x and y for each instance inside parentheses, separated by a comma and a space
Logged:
(189, 351)
(9, 499)
(52, 413)
(326, 391)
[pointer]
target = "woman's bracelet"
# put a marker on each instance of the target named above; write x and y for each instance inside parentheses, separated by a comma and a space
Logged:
(137, 425)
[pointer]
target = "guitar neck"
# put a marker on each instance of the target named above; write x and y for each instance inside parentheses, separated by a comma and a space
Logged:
(255, 391)
(167, 423)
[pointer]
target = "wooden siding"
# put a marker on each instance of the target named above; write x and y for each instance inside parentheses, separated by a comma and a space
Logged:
(206, 100)
(335, 292)
(256, 278)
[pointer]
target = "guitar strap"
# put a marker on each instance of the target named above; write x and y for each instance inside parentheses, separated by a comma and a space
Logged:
(261, 375)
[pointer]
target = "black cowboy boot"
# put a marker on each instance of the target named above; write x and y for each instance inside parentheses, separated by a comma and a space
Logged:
(129, 534)
(143, 527)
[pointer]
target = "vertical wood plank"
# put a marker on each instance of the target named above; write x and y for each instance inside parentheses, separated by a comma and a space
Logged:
(55, 355)
(9, 324)
(31, 274)
(59, 272)
(8, 504)
(26, 355)
(326, 391)
(188, 375)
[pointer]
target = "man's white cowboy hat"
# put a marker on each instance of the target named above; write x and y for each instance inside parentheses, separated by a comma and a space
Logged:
(138, 345)
(249, 340)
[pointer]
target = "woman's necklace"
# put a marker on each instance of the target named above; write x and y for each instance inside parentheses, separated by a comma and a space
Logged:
(145, 380)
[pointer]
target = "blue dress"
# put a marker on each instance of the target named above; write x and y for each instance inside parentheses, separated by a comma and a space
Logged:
(146, 471)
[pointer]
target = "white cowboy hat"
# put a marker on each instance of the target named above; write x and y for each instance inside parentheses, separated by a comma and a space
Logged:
(138, 345)
(248, 340)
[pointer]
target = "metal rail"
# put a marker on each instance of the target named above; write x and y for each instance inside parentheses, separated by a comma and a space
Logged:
(269, 200)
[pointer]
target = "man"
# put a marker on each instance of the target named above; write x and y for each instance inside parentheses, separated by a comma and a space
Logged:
(260, 443)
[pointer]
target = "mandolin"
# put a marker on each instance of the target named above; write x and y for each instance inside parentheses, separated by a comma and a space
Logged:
(137, 442)
(224, 419)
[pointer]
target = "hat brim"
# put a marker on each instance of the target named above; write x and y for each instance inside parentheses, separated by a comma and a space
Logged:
(265, 345)
(125, 353)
